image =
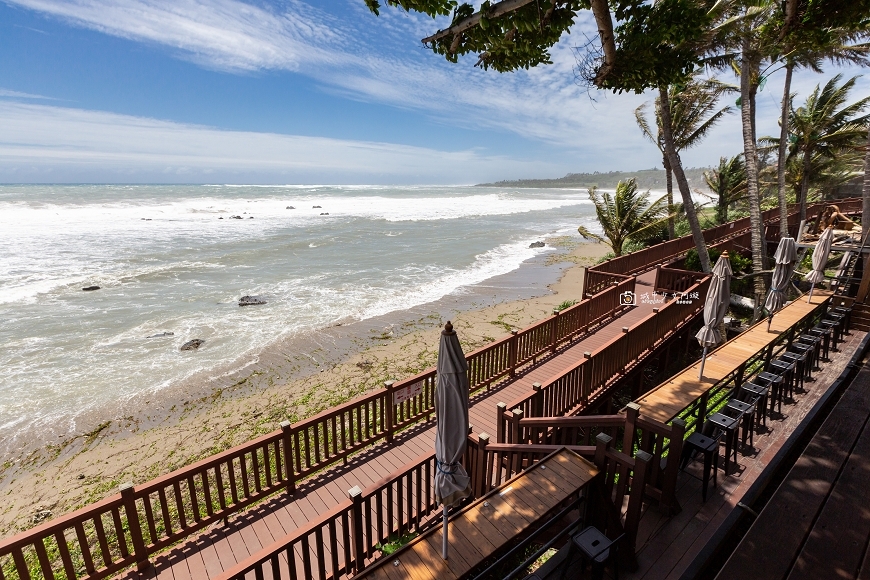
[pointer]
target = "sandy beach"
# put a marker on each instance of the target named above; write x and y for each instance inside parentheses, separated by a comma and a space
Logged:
(54, 474)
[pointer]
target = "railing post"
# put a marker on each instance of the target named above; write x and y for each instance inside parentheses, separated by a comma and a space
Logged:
(480, 488)
(389, 410)
(656, 284)
(668, 503)
(357, 553)
(512, 353)
(287, 443)
(537, 401)
(602, 444)
(139, 552)
(585, 386)
(500, 420)
(554, 331)
(516, 415)
(632, 410)
(627, 339)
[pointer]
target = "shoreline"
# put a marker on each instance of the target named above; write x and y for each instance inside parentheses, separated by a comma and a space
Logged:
(155, 433)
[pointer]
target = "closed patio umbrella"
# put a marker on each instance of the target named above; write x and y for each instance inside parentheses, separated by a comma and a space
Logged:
(715, 307)
(820, 259)
(785, 256)
(452, 483)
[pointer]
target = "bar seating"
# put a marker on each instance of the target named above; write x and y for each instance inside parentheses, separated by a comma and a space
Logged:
(825, 334)
(800, 361)
(729, 426)
(840, 324)
(709, 447)
(815, 343)
(786, 369)
(847, 313)
(594, 547)
(760, 393)
(743, 411)
(775, 384)
(834, 326)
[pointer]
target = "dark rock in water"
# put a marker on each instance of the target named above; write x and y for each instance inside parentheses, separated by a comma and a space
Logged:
(250, 218)
(145, 219)
(250, 300)
(290, 207)
(161, 335)
(90, 288)
(537, 245)
(220, 218)
(235, 217)
(325, 213)
(192, 344)
(315, 207)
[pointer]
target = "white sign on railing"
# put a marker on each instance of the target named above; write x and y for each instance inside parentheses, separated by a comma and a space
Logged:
(407, 392)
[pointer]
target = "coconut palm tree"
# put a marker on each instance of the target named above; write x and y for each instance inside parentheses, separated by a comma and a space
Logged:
(825, 126)
(693, 113)
(625, 215)
(728, 182)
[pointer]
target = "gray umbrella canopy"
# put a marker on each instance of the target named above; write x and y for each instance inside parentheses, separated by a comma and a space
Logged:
(786, 255)
(716, 303)
(820, 256)
(451, 410)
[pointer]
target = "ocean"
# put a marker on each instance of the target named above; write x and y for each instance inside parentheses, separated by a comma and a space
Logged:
(172, 263)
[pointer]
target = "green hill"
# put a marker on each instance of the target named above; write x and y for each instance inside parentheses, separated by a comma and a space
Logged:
(646, 179)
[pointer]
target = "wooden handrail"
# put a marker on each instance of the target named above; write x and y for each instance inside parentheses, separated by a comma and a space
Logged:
(214, 488)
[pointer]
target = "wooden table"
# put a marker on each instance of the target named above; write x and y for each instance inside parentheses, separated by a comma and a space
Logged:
(673, 396)
(491, 522)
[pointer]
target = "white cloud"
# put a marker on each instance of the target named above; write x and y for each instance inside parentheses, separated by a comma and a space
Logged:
(6, 93)
(380, 60)
(40, 143)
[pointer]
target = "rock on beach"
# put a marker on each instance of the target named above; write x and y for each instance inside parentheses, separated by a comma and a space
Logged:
(250, 301)
(537, 245)
(90, 288)
(192, 344)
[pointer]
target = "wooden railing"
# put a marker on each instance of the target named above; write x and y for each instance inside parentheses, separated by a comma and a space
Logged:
(129, 527)
(661, 253)
(583, 382)
(675, 281)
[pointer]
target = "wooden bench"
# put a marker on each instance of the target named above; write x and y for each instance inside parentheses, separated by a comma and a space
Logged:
(483, 528)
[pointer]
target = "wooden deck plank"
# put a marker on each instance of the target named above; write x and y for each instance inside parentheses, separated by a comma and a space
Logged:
(666, 545)
(838, 540)
(793, 509)
(323, 492)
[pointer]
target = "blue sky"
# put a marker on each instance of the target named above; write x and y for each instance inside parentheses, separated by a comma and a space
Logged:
(226, 91)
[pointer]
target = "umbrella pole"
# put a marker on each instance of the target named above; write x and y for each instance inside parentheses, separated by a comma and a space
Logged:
(444, 540)
(769, 320)
(703, 360)
(812, 287)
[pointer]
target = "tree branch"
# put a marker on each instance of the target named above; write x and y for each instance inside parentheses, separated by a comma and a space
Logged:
(499, 9)
(601, 11)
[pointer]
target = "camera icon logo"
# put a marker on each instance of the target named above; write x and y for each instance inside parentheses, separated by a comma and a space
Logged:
(627, 298)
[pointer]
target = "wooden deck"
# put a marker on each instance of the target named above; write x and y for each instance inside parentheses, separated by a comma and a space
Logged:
(221, 546)
(817, 524)
(491, 522)
(667, 547)
(670, 398)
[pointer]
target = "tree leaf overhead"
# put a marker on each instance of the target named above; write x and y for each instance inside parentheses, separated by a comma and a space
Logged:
(650, 44)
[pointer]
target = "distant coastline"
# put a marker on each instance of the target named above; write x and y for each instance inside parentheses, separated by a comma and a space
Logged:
(646, 179)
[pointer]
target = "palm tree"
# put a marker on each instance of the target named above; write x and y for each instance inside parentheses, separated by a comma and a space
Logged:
(625, 215)
(693, 114)
(827, 127)
(728, 182)
(808, 50)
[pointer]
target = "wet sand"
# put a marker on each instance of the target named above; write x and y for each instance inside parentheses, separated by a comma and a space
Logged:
(155, 433)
